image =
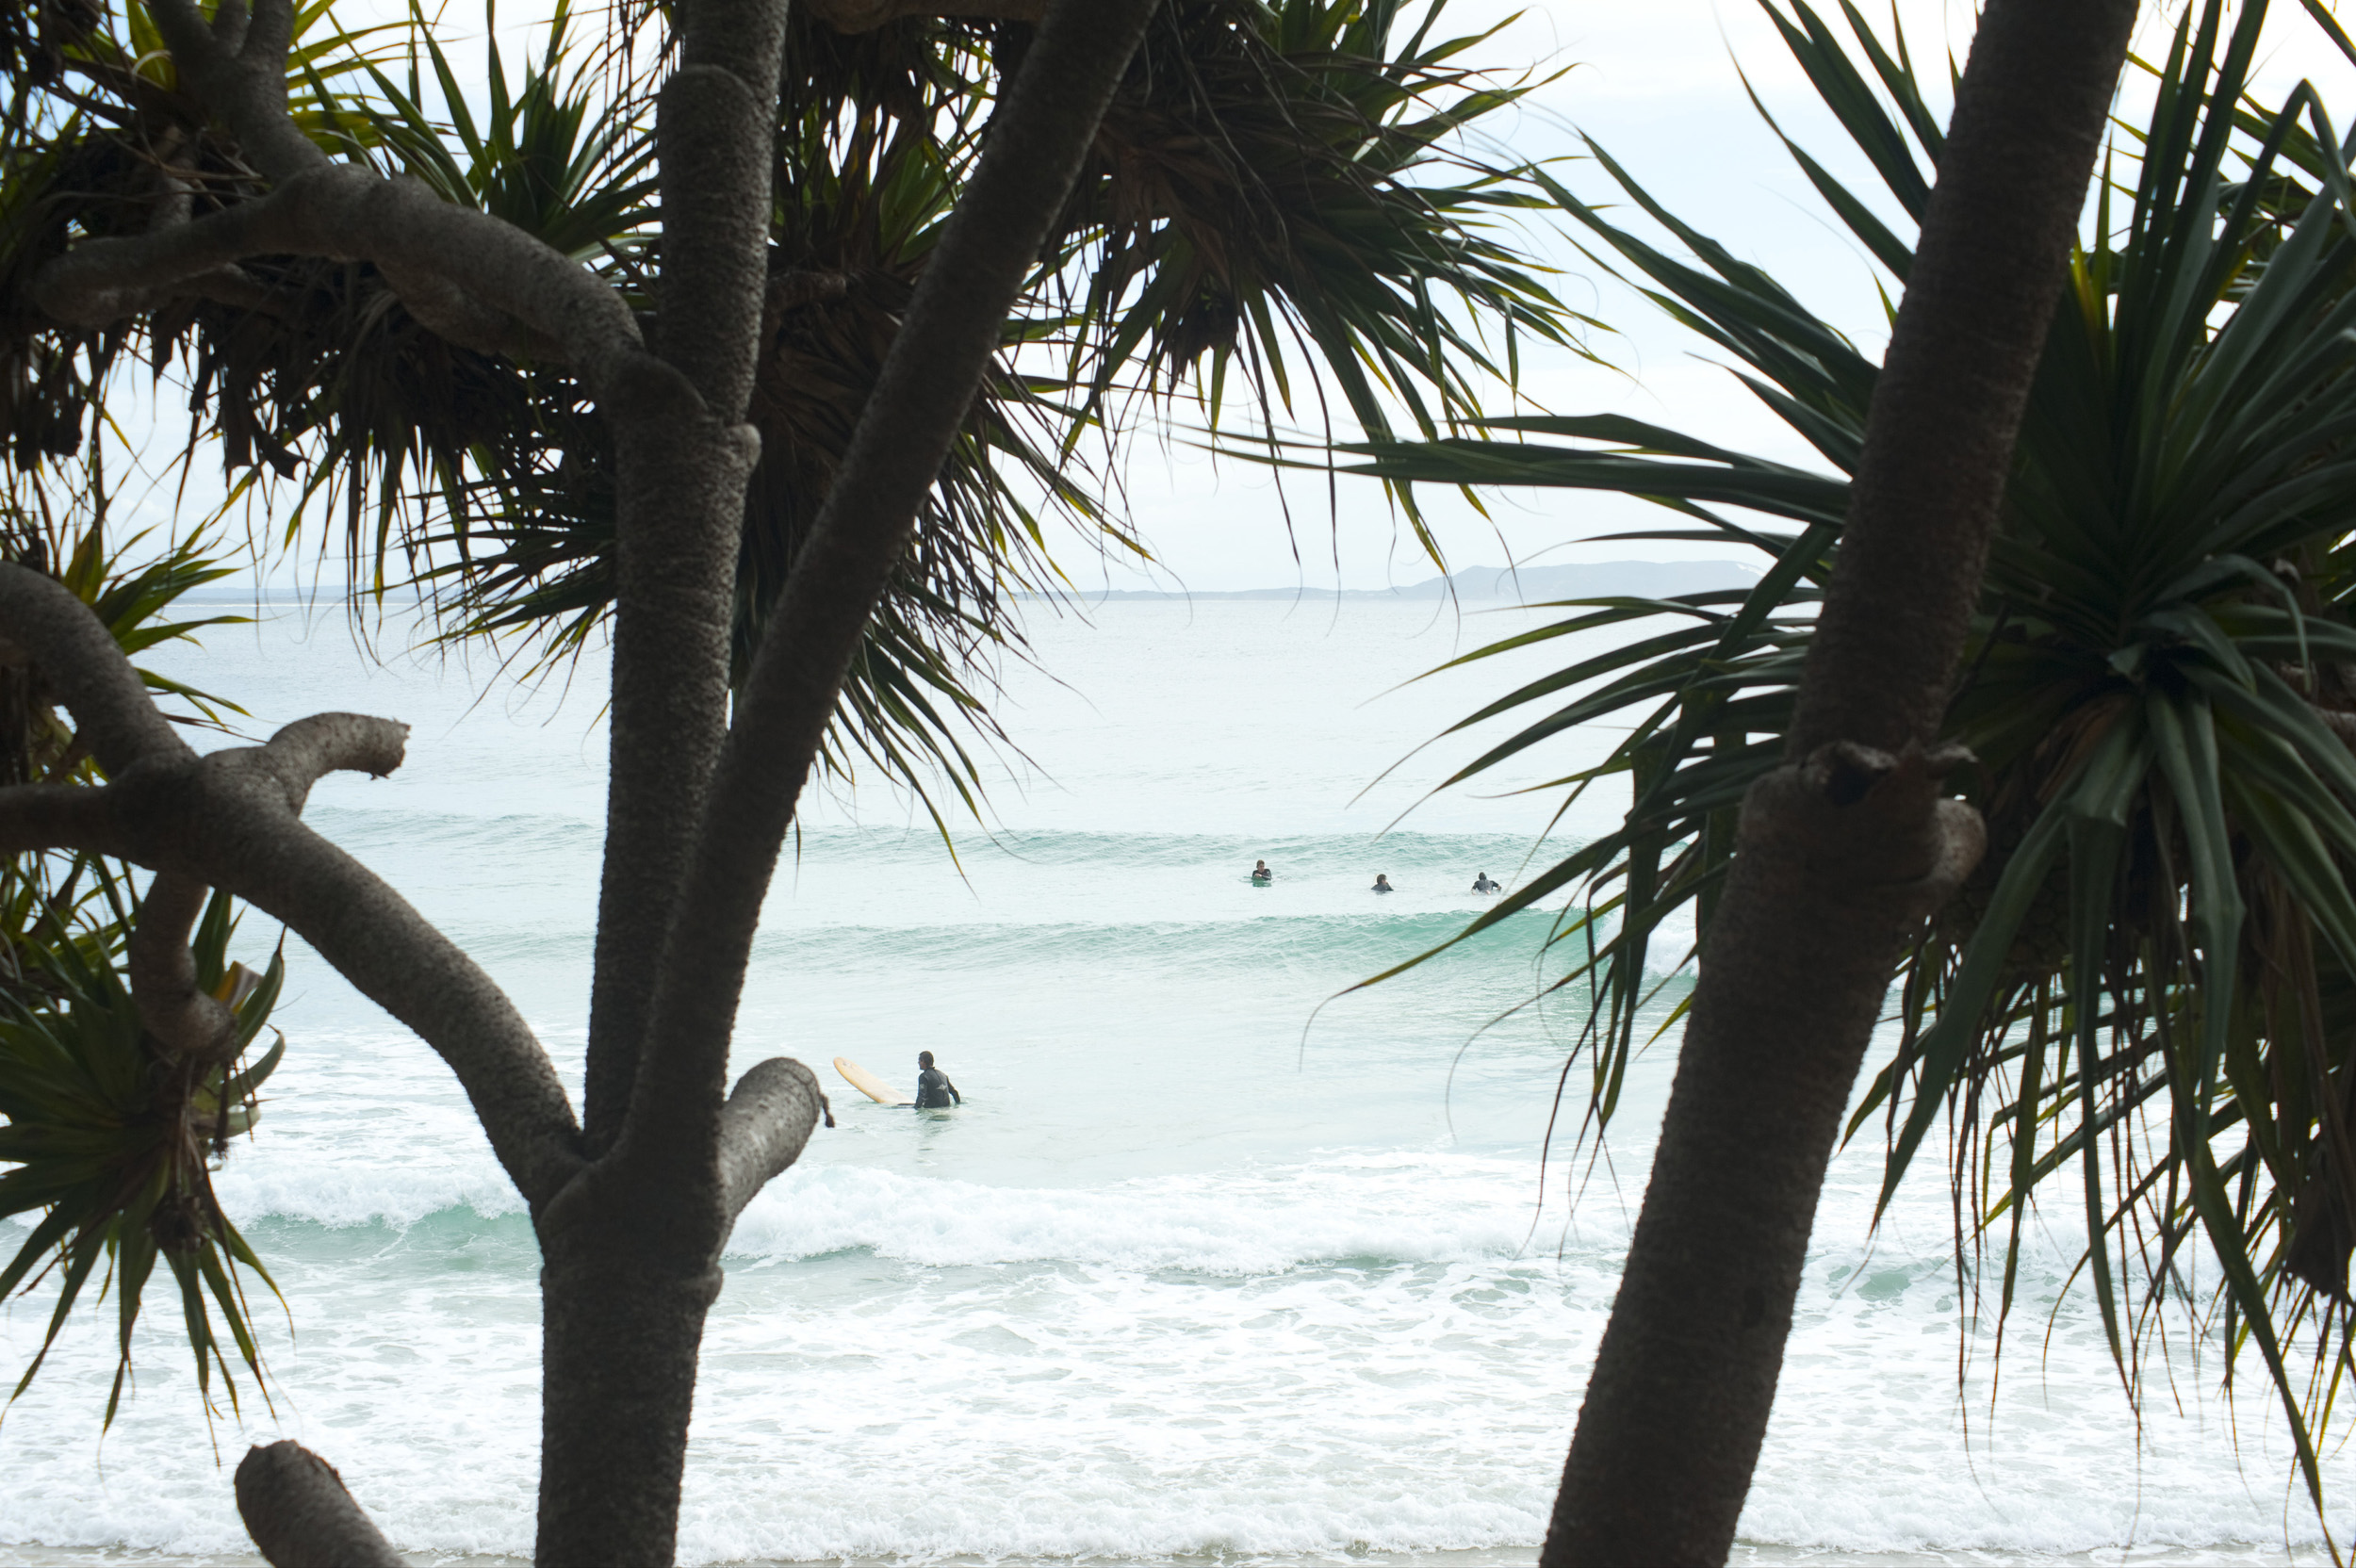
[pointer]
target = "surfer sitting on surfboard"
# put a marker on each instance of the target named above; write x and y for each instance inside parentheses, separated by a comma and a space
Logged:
(1260, 871)
(933, 1089)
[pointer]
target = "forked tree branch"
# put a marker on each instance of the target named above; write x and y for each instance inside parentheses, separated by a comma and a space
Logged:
(231, 820)
(237, 64)
(297, 1510)
(944, 344)
(764, 1127)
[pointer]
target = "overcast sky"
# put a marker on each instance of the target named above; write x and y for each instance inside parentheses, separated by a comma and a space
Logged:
(1654, 82)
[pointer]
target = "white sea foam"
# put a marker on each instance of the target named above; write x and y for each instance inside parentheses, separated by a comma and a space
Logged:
(1382, 1208)
(1188, 1272)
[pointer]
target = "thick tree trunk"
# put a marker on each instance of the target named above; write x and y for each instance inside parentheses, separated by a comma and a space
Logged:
(621, 1326)
(697, 811)
(1848, 844)
(681, 516)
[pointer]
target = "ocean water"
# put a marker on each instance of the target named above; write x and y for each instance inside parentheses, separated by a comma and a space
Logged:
(1222, 1261)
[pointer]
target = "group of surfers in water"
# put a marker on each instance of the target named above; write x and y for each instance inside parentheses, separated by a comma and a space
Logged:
(935, 1093)
(1262, 876)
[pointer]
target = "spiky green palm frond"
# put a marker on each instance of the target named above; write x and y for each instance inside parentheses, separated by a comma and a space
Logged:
(100, 140)
(1292, 185)
(112, 1140)
(106, 1139)
(2150, 985)
(1305, 166)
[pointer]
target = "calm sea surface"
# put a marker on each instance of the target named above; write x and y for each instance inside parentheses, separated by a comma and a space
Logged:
(1216, 1263)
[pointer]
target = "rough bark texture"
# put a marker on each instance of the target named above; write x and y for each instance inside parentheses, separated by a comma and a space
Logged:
(1849, 843)
(232, 820)
(767, 1120)
(631, 1249)
(188, 1020)
(633, 1205)
(297, 1510)
(683, 507)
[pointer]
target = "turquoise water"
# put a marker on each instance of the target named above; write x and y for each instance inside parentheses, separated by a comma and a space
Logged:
(1216, 1262)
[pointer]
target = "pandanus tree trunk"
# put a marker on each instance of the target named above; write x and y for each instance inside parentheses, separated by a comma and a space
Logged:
(1850, 842)
(628, 1278)
(632, 1201)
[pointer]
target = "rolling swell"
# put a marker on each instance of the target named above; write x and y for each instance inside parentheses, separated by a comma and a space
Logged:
(1341, 946)
(1371, 1210)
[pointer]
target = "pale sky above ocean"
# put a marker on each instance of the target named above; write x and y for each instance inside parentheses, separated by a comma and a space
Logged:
(1656, 83)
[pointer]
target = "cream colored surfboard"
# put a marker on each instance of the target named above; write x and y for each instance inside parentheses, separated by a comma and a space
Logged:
(868, 1084)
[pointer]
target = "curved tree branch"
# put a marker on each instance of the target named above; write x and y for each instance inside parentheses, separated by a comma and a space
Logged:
(307, 750)
(232, 820)
(177, 1011)
(296, 1510)
(80, 659)
(469, 276)
(937, 361)
(764, 1127)
(483, 282)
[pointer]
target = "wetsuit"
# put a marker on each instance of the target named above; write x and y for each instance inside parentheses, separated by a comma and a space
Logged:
(935, 1093)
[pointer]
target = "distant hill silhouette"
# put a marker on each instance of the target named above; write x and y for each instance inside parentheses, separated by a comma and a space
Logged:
(1650, 579)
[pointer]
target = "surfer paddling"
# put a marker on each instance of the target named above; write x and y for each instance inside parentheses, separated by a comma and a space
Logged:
(933, 1089)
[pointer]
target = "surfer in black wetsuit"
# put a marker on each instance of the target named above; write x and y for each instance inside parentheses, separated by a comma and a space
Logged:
(1260, 871)
(1382, 884)
(933, 1089)
(1482, 885)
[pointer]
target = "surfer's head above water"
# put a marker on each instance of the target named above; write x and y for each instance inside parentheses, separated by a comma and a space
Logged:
(923, 1059)
(1381, 883)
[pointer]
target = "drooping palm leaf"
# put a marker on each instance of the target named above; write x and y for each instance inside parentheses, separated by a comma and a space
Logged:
(106, 1139)
(1303, 170)
(112, 1144)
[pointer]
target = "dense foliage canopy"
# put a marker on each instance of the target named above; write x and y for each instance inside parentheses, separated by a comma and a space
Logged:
(1287, 195)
